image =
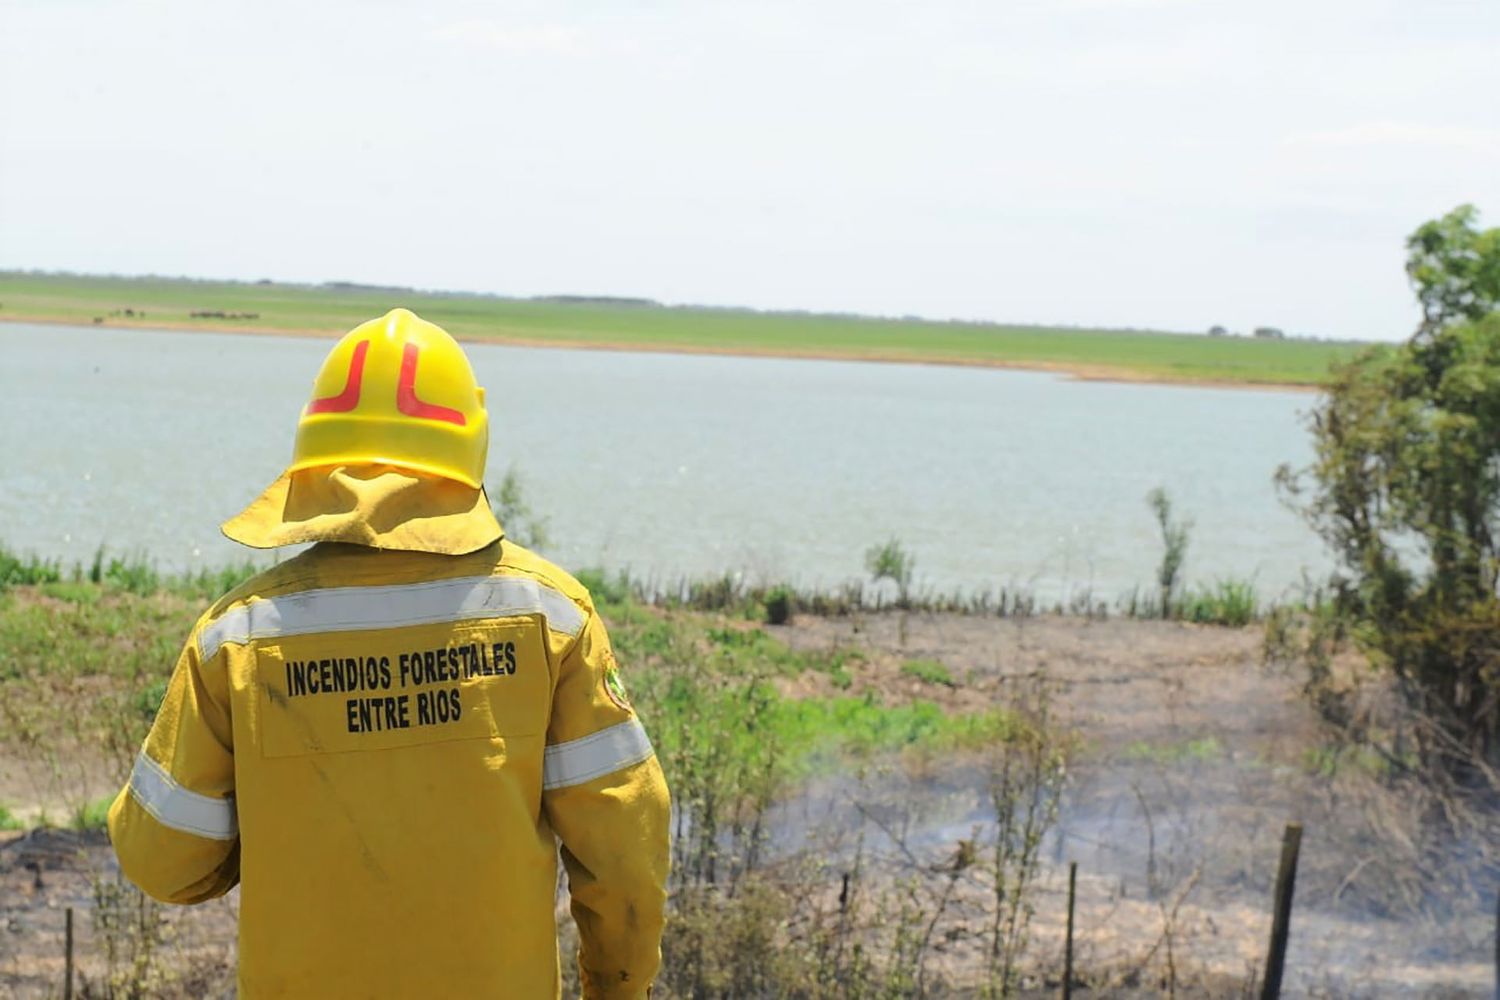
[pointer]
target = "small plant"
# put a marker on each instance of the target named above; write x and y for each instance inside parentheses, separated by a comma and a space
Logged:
(131, 931)
(520, 523)
(9, 820)
(1174, 539)
(1228, 602)
(606, 589)
(1203, 750)
(892, 562)
(778, 602)
(148, 699)
(1026, 779)
(18, 571)
(133, 574)
(92, 815)
(929, 672)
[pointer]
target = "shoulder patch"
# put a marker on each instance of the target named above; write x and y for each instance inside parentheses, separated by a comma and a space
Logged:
(614, 684)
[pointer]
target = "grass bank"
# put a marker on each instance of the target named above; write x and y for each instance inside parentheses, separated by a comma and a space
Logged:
(740, 720)
(85, 653)
(870, 803)
(328, 310)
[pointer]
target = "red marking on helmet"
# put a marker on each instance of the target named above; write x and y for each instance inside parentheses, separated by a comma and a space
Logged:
(406, 393)
(349, 398)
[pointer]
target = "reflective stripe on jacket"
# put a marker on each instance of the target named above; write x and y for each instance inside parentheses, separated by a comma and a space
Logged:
(383, 746)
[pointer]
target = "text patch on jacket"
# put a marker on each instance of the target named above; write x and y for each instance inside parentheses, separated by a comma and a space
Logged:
(424, 684)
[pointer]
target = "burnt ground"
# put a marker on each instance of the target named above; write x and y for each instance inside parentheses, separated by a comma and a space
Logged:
(166, 951)
(1189, 758)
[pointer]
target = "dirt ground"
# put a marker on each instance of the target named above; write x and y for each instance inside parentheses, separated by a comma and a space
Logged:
(44, 873)
(1119, 682)
(1191, 759)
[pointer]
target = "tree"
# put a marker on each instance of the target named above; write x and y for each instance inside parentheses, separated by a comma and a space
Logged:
(1405, 488)
(1454, 267)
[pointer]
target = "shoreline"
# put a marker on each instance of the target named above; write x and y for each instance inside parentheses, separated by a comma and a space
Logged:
(1079, 372)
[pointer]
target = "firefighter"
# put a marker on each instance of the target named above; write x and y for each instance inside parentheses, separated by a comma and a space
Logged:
(385, 738)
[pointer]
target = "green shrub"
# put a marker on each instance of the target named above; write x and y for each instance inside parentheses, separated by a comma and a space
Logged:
(779, 601)
(30, 570)
(929, 672)
(604, 589)
(892, 562)
(1228, 602)
(210, 584)
(148, 699)
(1405, 489)
(93, 815)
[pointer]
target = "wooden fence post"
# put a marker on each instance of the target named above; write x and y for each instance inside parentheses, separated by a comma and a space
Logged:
(68, 957)
(1281, 921)
(1067, 990)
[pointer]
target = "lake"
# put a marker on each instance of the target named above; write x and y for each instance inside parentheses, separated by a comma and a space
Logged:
(679, 465)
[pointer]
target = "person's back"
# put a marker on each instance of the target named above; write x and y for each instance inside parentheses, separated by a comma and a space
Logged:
(380, 742)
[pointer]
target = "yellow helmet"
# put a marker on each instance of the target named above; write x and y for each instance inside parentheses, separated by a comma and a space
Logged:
(396, 391)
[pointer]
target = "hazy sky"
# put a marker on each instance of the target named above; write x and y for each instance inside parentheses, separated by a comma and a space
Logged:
(1115, 162)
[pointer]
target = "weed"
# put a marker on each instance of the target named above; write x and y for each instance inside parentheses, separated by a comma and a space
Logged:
(1202, 750)
(1174, 540)
(606, 590)
(131, 930)
(16, 570)
(892, 562)
(1326, 761)
(929, 672)
(1228, 602)
(513, 511)
(779, 601)
(9, 820)
(1026, 778)
(92, 815)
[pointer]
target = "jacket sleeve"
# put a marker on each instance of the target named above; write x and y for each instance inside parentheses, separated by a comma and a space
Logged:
(605, 796)
(174, 825)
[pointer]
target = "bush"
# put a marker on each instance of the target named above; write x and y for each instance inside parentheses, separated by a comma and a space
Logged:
(1228, 602)
(778, 602)
(1405, 488)
(18, 571)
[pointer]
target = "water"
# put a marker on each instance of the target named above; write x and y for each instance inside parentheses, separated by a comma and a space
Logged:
(680, 465)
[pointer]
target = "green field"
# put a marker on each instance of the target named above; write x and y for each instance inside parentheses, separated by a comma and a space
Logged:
(329, 309)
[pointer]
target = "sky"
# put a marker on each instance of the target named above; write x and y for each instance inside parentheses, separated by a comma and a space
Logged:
(1125, 163)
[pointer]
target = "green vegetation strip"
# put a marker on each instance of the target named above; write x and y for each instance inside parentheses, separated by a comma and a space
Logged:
(85, 655)
(333, 309)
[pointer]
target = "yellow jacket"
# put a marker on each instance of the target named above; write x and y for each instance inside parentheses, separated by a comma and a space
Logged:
(383, 744)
